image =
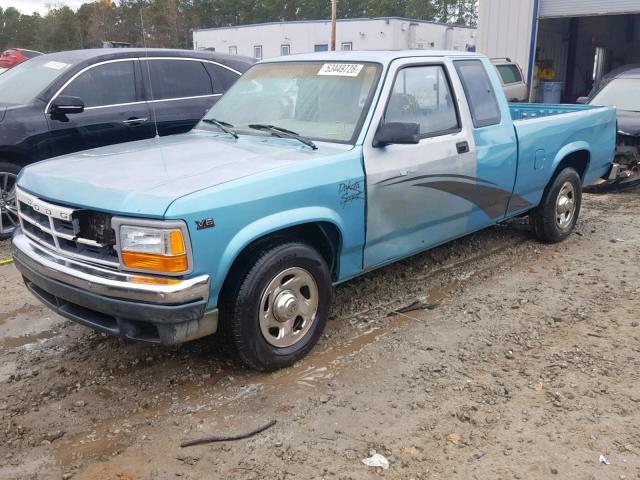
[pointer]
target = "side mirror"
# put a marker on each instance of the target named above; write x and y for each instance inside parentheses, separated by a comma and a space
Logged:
(397, 133)
(67, 105)
(582, 100)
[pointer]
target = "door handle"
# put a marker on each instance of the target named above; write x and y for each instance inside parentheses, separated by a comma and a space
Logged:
(134, 121)
(463, 147)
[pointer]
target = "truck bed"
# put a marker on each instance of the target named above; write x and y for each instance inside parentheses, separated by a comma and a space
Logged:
(526, 111)
(548, 133)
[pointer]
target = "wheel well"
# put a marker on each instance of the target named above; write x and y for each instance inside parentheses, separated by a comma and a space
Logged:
(322, 236)
(15, 158)
(578, 160)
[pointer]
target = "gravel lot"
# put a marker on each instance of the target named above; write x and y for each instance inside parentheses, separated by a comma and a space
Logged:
(522, 361)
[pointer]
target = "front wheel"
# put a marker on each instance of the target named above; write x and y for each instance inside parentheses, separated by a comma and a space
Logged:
(553, 220)
(277, 305)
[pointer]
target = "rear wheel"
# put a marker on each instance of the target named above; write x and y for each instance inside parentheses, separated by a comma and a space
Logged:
(8, 211)
(553, 220)
(277, 305)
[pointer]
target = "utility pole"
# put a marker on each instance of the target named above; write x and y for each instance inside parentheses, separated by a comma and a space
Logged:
(334, 8)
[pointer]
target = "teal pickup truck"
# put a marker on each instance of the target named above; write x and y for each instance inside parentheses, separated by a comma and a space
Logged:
(311, 170)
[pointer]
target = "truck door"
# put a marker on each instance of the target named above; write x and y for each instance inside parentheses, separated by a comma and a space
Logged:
(422, 195)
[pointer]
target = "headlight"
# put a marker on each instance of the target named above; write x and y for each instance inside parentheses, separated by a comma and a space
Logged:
(153, 249)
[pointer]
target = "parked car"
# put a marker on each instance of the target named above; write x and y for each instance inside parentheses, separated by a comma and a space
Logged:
(620, 89)
(12, 57)
(311, 170)
(70, 101)
(513, 84)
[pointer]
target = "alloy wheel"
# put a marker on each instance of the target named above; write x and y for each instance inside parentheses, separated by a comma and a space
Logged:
(8, 209)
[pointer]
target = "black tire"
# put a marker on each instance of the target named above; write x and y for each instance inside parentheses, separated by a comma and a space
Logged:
(242, 298)
(545, 218)
(13, 170)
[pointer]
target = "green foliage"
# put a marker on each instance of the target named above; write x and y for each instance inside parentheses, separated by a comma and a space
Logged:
(169, 23)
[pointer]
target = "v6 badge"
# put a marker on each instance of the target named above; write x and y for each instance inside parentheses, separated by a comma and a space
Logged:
(205, 223)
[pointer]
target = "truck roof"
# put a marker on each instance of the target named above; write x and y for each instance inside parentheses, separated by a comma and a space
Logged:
(379, 56)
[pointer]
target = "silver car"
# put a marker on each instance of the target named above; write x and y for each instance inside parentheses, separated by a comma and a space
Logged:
(513, 84)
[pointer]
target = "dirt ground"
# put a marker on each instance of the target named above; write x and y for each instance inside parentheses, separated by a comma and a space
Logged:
(522, 361)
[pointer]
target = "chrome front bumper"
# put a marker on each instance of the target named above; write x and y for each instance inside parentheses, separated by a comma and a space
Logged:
(139, 307)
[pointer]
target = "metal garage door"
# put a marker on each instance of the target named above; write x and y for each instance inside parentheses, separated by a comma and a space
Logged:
(576, 8)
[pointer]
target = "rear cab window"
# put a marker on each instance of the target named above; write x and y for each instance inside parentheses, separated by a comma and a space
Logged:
(509, 74)
(172, 79)
(478, 89)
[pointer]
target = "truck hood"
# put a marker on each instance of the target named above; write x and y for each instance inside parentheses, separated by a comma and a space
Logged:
(144, 177)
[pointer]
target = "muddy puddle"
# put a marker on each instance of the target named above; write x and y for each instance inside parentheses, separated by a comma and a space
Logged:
(6, 316)
(31, 324)
(26, 340)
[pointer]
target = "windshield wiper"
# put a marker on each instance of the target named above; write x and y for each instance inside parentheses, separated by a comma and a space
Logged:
(283, 133)
(224, 126)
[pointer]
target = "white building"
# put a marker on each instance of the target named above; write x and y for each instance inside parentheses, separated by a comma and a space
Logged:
(284, 38)
(569, 41)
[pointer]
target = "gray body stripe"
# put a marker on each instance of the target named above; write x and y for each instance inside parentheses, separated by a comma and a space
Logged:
(490, 199)
(423, 177)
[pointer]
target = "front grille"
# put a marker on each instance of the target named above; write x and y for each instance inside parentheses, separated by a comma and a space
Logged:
(59, 228)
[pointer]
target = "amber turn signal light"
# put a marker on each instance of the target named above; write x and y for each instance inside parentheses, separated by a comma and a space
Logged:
(155, 262)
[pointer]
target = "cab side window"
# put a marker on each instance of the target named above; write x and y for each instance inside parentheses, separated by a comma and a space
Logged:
(178, 79)
(477, 86)
(423, 95)
(108, 84)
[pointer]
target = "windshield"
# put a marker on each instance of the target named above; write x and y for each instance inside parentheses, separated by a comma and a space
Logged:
(621, 93)
(322, 101)
(22, 83)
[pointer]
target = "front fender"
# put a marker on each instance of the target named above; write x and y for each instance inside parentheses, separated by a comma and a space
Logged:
(349, 257)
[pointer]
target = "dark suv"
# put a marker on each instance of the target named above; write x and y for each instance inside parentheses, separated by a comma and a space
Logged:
(65, 102)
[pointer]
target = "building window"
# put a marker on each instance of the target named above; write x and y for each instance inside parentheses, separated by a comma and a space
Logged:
(285, 49)
(233, 50)
(346, 46)
(321, 47)
(257, 52)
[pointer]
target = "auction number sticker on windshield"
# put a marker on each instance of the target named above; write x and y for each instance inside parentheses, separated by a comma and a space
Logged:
(56, 65)
(341, 69)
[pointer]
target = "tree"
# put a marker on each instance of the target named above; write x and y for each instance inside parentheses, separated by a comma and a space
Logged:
(169, 23)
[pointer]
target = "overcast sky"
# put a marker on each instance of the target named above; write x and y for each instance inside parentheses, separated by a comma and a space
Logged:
(40, 6)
